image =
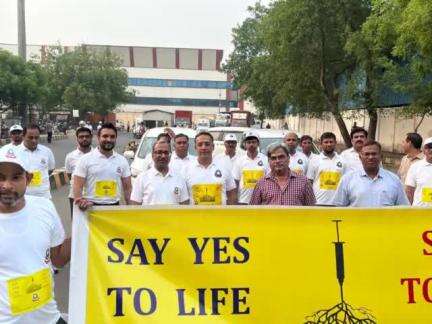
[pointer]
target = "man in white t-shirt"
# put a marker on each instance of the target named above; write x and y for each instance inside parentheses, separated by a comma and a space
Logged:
(84, 140)
(103, 173)
(298, 161)
(326, 170)
(160, 184)
(306, 144)
(351, 156)
(419, 178)
(16, 137)
(249, 168)
(209, 183)
(228, 158)
(40, 160)
(31, 238)
(180, 158)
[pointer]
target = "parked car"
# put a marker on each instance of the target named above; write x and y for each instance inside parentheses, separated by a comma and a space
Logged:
(142, 157)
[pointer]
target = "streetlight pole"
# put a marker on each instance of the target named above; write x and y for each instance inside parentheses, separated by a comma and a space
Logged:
(22, 51)
(21, 30)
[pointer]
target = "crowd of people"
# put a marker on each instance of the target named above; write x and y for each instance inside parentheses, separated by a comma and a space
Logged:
(289, 174)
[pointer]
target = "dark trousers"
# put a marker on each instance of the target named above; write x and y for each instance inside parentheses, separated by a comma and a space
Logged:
(49, 137)
(71, 203)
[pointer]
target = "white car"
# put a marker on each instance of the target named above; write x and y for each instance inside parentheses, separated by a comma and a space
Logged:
(143, 157)
(219, 133)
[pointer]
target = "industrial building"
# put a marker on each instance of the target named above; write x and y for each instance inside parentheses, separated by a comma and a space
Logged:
(166, 80)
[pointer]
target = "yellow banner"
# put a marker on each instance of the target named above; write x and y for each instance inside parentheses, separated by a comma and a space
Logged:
(269, 265)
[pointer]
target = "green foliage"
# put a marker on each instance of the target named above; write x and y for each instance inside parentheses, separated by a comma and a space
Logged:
(21, 82)
(85, 80)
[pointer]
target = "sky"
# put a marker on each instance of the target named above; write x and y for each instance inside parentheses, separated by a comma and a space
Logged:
(155, 23)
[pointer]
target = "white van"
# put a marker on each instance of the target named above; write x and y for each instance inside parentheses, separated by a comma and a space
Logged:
(142, 157)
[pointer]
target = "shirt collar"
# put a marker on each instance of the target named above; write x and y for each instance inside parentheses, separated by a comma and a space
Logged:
(155, 172)
(379, 175)
(323, 156)
(419, 156)
(175, 156)
(27, 149)
(272, 177)
(98, 152)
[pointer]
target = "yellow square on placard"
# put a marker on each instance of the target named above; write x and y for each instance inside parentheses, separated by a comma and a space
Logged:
(427, 195)
(106, 189)
(36, 181)
(28, 293)
(329, 180)
(251, 177)
(207, 194)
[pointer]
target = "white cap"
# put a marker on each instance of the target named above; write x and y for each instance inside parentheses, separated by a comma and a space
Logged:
(251, 133)
(230, 137)
(427, 141)
(10, 155)
(15, 128)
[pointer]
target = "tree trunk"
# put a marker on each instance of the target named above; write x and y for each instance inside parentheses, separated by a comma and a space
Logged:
(420, 122)
(373, 123)
(342, 127)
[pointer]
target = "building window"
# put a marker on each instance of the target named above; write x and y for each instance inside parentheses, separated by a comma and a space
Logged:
(152, 101)
(199, 84)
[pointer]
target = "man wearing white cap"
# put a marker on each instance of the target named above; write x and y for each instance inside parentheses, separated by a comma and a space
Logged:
(31, 238)
(230, 155)
(249, 168)
(16, 136)
(419, 178)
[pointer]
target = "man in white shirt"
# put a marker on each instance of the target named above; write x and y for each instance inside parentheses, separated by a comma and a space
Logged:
(103, 173)
(31, 239)
(249, 168)
(40, 160)
(228, 158)
(180, 158)
(306, 144)
(298, 161)
(351, 156)
(372, 186)
(419, 178)
(84, 140)
(16, 137)
(160, 185)
(209, 183)
(326, 170)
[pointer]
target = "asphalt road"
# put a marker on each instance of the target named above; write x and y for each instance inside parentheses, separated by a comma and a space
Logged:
(60, 199)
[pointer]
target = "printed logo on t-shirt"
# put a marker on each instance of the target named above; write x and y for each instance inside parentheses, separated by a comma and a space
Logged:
(176, 190)
(10, 154)
(260, 163)
(43, 161)
(218, 174)
(119, 170)
(300, 161)
(47, 256)
(339, 164)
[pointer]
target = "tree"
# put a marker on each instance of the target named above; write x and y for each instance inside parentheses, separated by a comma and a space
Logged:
(414, 47)
(250, 66)
(372, 47)
(303, 45)
(85, 80)
(22, 84)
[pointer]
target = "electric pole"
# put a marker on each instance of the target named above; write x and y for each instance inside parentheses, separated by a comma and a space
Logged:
(22, 51)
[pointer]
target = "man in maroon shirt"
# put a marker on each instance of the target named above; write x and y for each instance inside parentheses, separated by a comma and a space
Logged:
(281, 186)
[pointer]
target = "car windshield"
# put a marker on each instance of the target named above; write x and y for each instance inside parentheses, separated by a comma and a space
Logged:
(266, 142)
(219, 135)
(148, 142)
